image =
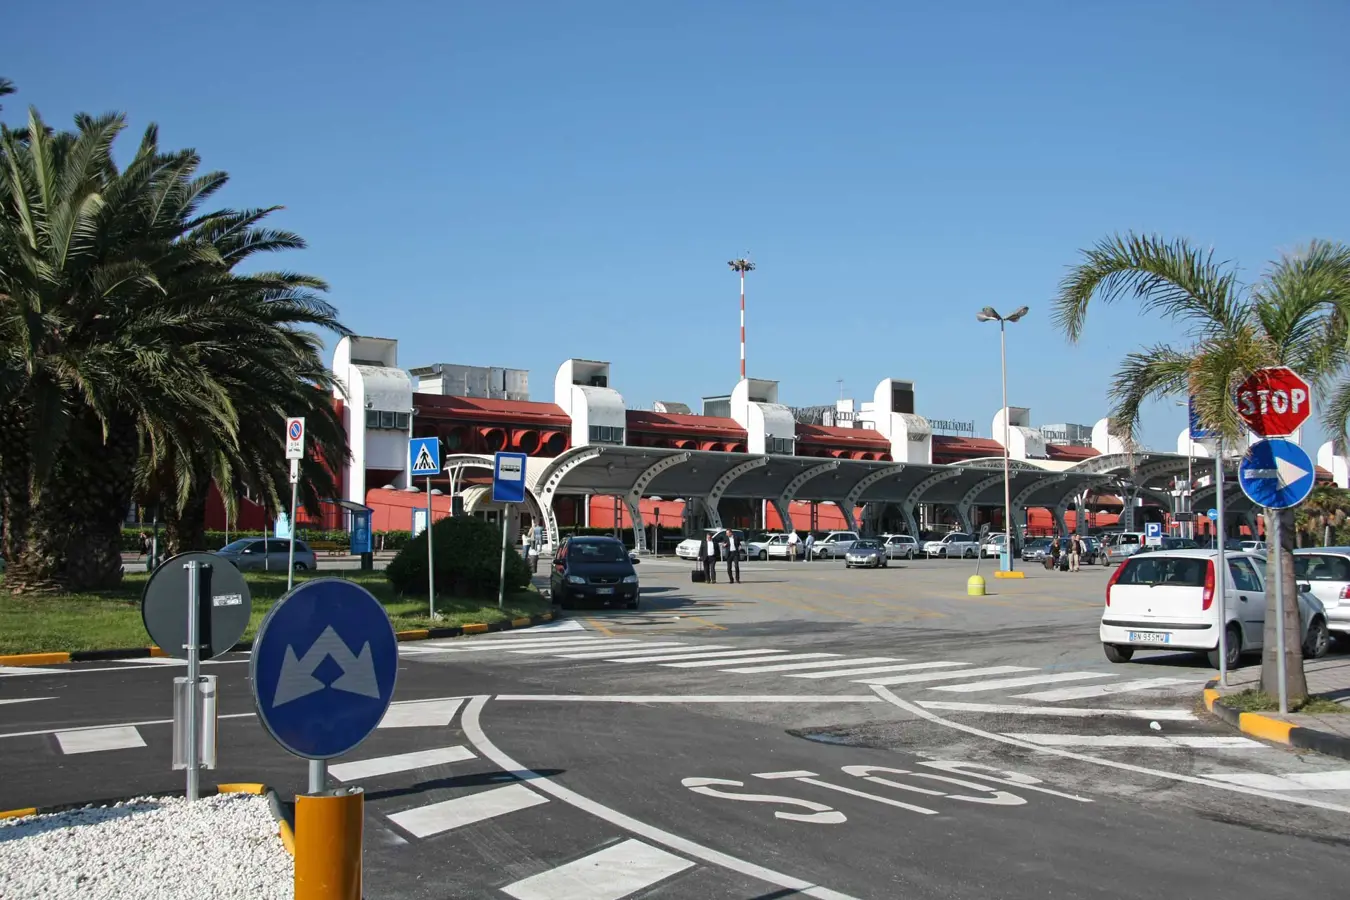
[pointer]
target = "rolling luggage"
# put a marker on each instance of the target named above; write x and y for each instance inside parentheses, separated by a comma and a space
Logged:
(698, 576)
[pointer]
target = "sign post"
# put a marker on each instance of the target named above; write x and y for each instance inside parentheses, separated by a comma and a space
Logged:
(508, 486)
(1277, 474)
(424, 459)
(187, 630)
(322, 625)
(295, 451)
(1220, 559)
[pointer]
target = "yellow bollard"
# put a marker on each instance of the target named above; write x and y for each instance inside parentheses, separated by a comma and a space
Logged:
(328, 838)
(975, 586)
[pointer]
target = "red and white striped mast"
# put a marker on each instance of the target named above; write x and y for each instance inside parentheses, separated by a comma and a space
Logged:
(741, 266)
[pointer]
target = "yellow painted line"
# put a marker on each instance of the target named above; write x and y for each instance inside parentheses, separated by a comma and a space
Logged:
(34, 659)
(417, 634)
(1265, 728)
(1211, 695)
(600, 627)
(475, 628)
(706, 623)
(242, 787)
(18, 813)
(157, 652)
(522, 622)
(1014, 574)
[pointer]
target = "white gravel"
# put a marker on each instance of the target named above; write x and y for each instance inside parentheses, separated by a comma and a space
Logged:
(219, 848)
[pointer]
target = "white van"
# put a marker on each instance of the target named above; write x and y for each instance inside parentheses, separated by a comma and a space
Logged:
(1122, 544)
(1166, 601)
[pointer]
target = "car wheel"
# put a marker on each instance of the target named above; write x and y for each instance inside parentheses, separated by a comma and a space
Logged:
(969, 554)
(633, 604)
(301, 567)
(1318, 640)
(909, 556)
(942, 554)
(1234, 649)
(1118, 653)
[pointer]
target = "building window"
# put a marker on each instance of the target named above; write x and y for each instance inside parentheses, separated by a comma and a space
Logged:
(780, 446)
(606, 434)
(383, 420)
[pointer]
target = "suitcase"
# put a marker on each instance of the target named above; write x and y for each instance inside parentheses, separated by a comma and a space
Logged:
(698, 576)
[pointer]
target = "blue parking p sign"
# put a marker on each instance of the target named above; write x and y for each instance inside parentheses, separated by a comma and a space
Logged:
(508, 478)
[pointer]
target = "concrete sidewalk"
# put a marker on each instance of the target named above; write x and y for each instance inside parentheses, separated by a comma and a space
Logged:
(1328, 677)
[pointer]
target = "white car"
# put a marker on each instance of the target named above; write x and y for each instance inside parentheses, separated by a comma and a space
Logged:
(953, 545)
(833, 545)
(688, 548)
(900, 545)
(1165, 600)
(993, 545)
(1122, 544)
(1326, 573)
(1254, 546)
(773, 546)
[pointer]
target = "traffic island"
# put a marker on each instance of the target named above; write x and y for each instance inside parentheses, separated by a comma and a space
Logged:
(1326, 732)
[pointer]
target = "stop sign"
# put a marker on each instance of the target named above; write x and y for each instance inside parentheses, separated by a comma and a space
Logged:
(1274, 402)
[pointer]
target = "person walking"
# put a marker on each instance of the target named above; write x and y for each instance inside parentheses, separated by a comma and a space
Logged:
(733, 558)
(1055, 549)
(792, 545)
(1075, 552)
(810, 544)
(707, 557)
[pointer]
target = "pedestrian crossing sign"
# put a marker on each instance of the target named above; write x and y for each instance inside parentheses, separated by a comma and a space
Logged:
(424, 457)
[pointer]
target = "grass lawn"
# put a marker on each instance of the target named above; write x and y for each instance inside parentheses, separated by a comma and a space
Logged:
(112, 619)
(1252, 700)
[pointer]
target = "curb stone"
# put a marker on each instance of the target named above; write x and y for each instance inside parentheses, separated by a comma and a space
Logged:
(419, 634)
(1276, 730)
(284, 829)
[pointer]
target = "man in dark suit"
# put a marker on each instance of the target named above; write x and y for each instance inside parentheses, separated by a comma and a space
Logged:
(733, 557)
(707, 557)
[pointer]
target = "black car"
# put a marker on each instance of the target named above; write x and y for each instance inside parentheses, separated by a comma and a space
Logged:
(597, 571)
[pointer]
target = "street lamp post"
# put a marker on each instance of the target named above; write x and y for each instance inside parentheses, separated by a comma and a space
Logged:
(741, 266)
(988, 314)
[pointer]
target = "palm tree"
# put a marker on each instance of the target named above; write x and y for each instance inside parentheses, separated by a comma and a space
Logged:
(1295, 315)
(1322, 514)
(6, 88)
(123, 333)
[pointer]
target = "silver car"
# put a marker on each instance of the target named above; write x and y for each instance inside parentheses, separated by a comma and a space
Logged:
(867, 553)
(268, 555)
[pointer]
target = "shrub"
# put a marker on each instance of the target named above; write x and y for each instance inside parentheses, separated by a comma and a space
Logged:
(468, 559)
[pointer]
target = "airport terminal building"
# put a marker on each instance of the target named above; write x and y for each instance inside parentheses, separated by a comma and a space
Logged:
(743, 459)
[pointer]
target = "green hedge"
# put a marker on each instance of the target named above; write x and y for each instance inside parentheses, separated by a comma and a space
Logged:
(216, 539)
(468, 555)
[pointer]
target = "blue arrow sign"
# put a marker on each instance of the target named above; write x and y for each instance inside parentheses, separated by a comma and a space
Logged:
(323, 668)
(1213, 515)
(424, 457)
(508, 478)
(1276, 474)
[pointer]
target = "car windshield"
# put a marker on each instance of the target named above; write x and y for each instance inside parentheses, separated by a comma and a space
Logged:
(957, 536)
(1174, 571)
(1127, 539)
(599, 551)
(866, 545)
(1038, 543)
(236, 546)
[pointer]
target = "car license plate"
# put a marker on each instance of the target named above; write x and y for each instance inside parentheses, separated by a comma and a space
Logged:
(604, 590)
(1151, 637)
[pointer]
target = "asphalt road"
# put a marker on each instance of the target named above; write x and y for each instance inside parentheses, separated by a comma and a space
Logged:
(811, 731)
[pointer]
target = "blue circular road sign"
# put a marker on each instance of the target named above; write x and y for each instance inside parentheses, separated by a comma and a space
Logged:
(1213, 515)
(323, 668)
(1276, 474)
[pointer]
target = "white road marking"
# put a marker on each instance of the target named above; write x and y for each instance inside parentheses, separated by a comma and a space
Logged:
(581, 640)
(1002, 683)
(10, 671)
(1173, 715)
(14, 734)
(874, 670)
(474, 731)
(705, 663)
(787, 667)
(435, 818)
(610, 874)
(692, 698)
(620, 654)
(154, 661)
(542, 651)
(555, 625)
(401, 762)
(1142, 741)
(676, 657)
(939, 676)
(1337, 780)
(19, 671)
(93, 740)
(924, 714)
(421, 715)
(24, 700)
(1102, 690)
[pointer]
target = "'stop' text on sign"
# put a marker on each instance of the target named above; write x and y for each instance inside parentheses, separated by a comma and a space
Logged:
(1274, 402)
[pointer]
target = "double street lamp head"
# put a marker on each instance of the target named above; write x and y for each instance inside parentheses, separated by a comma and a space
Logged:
(989, 314)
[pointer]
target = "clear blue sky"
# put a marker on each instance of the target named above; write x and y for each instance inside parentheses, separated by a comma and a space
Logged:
(516, 183)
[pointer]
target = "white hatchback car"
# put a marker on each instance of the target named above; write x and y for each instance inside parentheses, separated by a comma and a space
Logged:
(900, 546)
(833, 545)
(1166, 601)
(1326, 572)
